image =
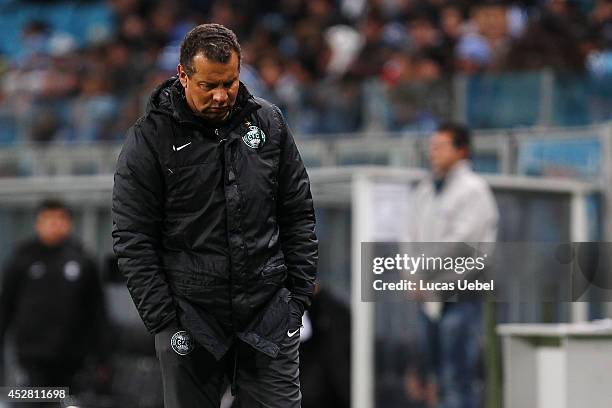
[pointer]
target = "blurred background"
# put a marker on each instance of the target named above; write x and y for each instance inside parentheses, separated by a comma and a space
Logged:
(362, 83)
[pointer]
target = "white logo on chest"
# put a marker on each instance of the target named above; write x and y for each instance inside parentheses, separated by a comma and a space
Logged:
(37, 270)
(254, 138)
(72, 271)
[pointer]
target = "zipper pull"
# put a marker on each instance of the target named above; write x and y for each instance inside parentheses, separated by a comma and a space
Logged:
(217, 133)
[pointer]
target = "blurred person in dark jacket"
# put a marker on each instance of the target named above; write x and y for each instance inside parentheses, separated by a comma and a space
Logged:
(51, 298)
(325, 352)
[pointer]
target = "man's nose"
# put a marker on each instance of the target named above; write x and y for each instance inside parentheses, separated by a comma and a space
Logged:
(220, 97)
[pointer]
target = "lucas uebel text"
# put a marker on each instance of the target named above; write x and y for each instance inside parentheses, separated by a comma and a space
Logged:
(425, 286)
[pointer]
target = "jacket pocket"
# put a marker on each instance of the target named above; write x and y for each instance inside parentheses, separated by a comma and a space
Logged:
(269, 329)
(204, 329)
(274, 274)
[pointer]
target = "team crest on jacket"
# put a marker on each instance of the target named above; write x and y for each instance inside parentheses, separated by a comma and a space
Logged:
(254, 138)
(182, 343)
(72, 271)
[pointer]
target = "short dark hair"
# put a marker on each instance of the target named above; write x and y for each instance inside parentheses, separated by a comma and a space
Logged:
(214, 41)
(54, 204)
(460, 134)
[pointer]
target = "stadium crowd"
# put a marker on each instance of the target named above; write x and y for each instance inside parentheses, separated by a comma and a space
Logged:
(332, 66)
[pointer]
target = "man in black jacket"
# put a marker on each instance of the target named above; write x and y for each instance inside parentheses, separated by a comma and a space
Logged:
(213, 226)
(52, 299)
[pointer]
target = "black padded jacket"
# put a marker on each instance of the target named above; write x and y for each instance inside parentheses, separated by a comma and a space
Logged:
(213, 227)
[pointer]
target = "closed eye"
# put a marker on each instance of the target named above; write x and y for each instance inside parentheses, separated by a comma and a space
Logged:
(210, 86)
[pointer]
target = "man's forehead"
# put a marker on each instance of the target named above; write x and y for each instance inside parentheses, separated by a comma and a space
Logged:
(442, 136)
(206, 69)
(54, 212)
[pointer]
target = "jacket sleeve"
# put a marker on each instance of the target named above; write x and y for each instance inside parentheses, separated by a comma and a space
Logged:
(296, 219)
(138, 200)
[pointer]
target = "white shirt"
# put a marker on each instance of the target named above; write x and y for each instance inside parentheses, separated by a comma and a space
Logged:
(463, 211)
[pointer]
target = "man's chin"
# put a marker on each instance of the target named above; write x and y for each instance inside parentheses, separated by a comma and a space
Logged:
(214, 116)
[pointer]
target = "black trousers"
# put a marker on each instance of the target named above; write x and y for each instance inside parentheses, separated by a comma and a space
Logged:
(198, 380)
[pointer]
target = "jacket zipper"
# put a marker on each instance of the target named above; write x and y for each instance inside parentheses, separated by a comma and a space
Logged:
(231, 296)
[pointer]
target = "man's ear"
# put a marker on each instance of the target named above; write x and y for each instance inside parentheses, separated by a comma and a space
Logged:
(182, 74)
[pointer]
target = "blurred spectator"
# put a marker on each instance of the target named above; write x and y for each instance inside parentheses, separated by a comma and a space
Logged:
(452, 25)
(133, 30)
(452, 20)
(425, 38)
(167, 27)
(598, 51)
(452, 205)
(34, 43)
(397, 69)
(94, 110)
(473, 54)
(270, 77)
(123, 8)
(53, 301)
(421, 96)
(120, 61)
(550, 41)
(375, 51)
(485, 41)
(344, 42)
(599, 44)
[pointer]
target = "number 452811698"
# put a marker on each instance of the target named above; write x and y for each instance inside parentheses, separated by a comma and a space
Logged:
(32, 394)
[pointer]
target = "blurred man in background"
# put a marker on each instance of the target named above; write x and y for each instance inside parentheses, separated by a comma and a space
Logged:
(325, 352)
(213, 225)
(454, 204)
(52, 299)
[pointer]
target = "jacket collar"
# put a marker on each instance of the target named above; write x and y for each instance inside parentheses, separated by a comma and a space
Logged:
(460, 168)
